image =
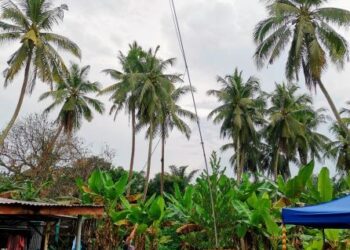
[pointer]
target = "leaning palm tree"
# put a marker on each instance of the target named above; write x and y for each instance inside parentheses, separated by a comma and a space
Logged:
(239, 114)
(284, 126)
(30, 23)
(72, 96)
(123, 92)
(306, 27)
(154, 90)
(172, 117)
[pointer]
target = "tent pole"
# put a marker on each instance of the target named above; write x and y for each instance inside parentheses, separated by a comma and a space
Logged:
(284, 237)
(324, 239)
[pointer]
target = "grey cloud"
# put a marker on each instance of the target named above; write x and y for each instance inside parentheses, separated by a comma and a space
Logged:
(217, 37)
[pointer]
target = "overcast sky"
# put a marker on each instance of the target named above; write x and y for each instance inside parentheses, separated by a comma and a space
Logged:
(217, 37)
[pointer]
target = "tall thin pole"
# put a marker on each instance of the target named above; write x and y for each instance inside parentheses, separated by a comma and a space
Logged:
(179, 36)
(324, 239)
(78, 235)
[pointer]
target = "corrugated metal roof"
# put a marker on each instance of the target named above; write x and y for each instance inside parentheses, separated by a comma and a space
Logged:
(4, 201)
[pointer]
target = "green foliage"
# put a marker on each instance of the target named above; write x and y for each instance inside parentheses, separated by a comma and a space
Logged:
(286, 129)
(240, 112)
(30, 24)
(304, 26)
(22, 190)
(30, 192)
(143, 214)
(339, 148)
(138, 179)
(177, 177)
(241, 209)
(294, 187)
(325, 186)
(72, 97)
(247, 211)
(102, 188)
(146, 219)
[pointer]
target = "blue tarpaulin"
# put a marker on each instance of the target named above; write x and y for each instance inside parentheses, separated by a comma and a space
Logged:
(333, 214)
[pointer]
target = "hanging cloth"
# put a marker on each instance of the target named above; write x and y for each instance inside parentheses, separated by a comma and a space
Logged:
(16, 242)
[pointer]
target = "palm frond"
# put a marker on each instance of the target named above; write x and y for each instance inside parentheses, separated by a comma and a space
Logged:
(16, 63)
(336, 16)
(52, 16)
(10, 11)
(62, 43)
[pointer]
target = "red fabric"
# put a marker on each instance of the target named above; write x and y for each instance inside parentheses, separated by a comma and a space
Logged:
(16, 242)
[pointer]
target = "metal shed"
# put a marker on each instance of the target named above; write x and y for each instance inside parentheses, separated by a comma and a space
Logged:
(25, 224)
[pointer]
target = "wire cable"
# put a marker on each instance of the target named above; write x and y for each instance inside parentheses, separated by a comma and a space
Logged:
(183, 52)
(154, 149)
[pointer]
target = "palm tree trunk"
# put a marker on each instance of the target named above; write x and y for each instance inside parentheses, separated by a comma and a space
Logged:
(162, 162)
(333, 107)
(303, 156)
(243, 245)
(286, 171)
(148, 162)
(133, 131)
(54, 140)
(238, 160)
(49, 149)
(241, 164)
(6, 131)
(275, 164)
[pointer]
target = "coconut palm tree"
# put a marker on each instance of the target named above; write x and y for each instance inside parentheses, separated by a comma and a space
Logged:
(172, 118)
(123, 92)
(71, 95)
(239, 113)
(178, 176)
(154, 90)
(181, 173)
(30, 24)
(312, 145)
(339, 149)
(255, 155)
(284, 126)
(306, 27)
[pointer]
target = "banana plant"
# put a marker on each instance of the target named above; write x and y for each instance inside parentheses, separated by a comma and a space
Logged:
(26, 191)
(181, 205)
(307, 189)
(101, 189)
(256, 221)
(145, 219)
(243, 210)
(294, 187)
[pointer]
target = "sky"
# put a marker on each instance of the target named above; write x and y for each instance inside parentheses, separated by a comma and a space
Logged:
(217, 36)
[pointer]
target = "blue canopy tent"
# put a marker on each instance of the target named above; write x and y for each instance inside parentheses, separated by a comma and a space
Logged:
(333, 214)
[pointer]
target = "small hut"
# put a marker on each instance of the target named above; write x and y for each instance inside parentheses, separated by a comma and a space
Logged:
(27, 225)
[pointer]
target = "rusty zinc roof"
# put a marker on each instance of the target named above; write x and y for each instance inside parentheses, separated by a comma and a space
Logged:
(30, 208)
(4, 201)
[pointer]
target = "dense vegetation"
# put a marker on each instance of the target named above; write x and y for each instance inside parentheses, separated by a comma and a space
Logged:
(267, 133)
